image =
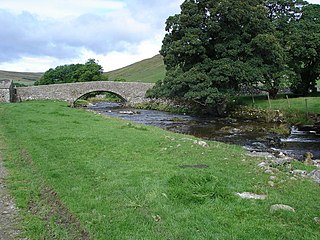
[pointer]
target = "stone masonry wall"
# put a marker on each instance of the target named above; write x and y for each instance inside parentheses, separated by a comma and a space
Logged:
(6, 91)
(4, 95)
(132, 92)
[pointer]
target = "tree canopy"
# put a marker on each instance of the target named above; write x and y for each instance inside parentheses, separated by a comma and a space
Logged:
(90, 71)
(304, 50)
(213, 48)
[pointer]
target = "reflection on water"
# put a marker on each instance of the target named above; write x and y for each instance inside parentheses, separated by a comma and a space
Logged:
(254, 135)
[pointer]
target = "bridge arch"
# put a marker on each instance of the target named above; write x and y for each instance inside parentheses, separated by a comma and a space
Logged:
(102, 92)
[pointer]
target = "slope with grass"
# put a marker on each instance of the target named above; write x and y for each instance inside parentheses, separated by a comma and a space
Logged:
(26, 78)
(148, 70)
(78, 175)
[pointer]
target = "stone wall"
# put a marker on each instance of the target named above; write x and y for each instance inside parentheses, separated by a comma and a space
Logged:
(132, 92)
(6, 91)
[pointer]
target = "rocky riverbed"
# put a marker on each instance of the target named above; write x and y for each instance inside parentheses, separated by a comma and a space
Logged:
(255, 134)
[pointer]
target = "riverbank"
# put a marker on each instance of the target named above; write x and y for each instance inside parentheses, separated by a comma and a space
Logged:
(76, 174)
(294, 111)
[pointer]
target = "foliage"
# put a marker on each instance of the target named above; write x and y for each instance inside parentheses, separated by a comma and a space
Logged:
(304, 50)
(208, 50)
(19, 84)
(164, 106)
(213, 48)
(115, 180)
(90, 71)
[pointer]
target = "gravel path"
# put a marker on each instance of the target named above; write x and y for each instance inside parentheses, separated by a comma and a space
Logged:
(10, 227)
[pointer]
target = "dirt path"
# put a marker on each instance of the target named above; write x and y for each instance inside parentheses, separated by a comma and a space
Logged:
(10, 227)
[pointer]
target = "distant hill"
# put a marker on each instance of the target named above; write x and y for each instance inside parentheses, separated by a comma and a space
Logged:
(149, 70)
(26, 78)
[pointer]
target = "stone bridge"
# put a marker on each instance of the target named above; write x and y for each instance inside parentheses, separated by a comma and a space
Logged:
(131, 92)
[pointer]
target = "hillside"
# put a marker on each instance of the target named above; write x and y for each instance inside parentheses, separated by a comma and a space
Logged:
(149, 70)
(20, 77)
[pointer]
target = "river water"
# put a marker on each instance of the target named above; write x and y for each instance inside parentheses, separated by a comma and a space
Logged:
(255, 136)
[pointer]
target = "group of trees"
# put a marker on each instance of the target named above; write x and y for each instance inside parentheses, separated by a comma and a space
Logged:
(213, 48)
(90, 71)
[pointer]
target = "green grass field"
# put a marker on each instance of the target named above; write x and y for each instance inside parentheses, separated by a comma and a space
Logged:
(302, 110)
(78, 175)
(302, 104)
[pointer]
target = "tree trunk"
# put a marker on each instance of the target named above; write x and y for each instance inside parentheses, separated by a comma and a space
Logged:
(273, 92)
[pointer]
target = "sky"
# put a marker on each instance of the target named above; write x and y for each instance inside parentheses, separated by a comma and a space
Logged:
(36, 35)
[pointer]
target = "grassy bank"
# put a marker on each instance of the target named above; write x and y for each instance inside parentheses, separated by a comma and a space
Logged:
(77, 175)
(300, 110)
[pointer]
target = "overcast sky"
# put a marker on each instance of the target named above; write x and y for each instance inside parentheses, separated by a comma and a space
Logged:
(36, 35)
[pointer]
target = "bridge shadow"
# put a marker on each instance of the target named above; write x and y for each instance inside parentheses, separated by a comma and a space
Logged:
(98, 96)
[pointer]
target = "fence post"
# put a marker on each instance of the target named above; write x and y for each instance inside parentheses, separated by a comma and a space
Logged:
(253, 101)
(269, 100)
(307, 111)
(288, 101)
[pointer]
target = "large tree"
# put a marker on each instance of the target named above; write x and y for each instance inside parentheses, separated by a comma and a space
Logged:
(90, 71)
(304, 49)
(214, 47)
(208, 50)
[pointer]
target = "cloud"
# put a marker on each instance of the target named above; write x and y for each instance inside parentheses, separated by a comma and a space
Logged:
(26, 34)
(63, 30)
(61, 8)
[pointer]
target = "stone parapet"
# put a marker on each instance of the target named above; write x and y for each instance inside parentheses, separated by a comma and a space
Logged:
(6, 91)
(131, 92)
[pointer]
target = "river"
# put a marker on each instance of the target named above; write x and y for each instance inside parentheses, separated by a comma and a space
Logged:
(255, 136)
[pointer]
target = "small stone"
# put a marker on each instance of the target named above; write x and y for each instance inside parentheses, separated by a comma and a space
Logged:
(272, 178)
(271, 184)
(156, 218)
(316, 163)
(315, 175)
(283, 207)
(201, 143)
(268, 171)
(299, 172)
(248, 195)
(281, 161)
(262, 164)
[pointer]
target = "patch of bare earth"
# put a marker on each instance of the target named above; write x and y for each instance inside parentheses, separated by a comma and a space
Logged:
(55, 209)
(10, 227)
